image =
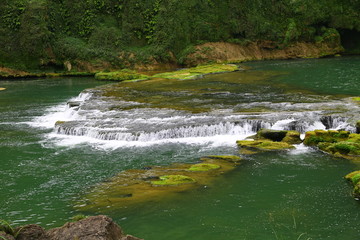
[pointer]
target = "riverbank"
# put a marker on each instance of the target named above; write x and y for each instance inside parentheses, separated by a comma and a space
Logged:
(208, 53)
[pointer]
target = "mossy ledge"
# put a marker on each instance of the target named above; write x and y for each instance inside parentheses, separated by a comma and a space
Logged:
(154, 183)
(255, 146)
(338, 143)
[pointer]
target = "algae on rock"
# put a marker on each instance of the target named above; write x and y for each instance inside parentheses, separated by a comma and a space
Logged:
(155, 183)
(255, 146)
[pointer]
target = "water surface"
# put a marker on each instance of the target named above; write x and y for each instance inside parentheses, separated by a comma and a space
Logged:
(300, 194)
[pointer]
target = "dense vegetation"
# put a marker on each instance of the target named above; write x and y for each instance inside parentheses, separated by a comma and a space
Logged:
(48, 32)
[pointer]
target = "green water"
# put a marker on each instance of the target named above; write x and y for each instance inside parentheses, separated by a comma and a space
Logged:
(300, 194)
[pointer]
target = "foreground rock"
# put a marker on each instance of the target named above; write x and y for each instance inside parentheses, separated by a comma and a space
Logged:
(91, 228)
(269, 140)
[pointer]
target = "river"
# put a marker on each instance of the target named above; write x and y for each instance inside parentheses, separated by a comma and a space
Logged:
(299, 194)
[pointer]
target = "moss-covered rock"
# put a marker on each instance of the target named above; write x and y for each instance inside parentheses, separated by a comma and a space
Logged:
(173, 180)
(313, 138)
(338, 143)
(199, 71)
(202, 167)
(291, 137)
(229, 158)
(123, 75)
(262, 145)
(354, 179)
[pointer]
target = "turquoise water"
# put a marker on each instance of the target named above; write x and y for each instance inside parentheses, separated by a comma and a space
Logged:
(299, 194)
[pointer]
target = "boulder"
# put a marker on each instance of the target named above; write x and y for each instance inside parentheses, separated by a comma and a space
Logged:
(30, 232)
(4, 235)
(91, 228)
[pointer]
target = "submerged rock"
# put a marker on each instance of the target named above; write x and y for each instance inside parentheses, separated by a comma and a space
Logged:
(200, 167)
(155, 183)
(229, 158)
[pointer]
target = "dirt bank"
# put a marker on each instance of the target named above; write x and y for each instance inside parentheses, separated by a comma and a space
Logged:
(261, 50)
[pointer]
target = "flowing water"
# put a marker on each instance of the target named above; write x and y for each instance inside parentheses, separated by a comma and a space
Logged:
(52, 153)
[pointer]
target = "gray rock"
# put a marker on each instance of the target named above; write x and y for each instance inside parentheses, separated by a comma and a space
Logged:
(91, 228)
(30, 232)
(6, 236)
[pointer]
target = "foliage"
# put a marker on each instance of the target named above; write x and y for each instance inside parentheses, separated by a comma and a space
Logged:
(36, 32)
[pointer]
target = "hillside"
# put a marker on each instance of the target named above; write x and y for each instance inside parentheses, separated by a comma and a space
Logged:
(106, 34)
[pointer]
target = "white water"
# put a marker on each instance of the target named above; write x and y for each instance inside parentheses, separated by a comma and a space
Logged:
(95, 123)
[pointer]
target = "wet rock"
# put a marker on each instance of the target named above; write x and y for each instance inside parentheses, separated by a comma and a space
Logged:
(173, 180)
(92, 228)
(203, 167)
(291, 137)
(31, 232)
(72, 104)
(358, 127)
(6, 236)
(228, 158)
(250, 147)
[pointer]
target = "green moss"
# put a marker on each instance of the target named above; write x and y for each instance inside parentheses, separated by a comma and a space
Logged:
(173, 180)
(263, 145)
(123, 75)
(203, 167)
(196, 72)
(229, 158)
(313, 138)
